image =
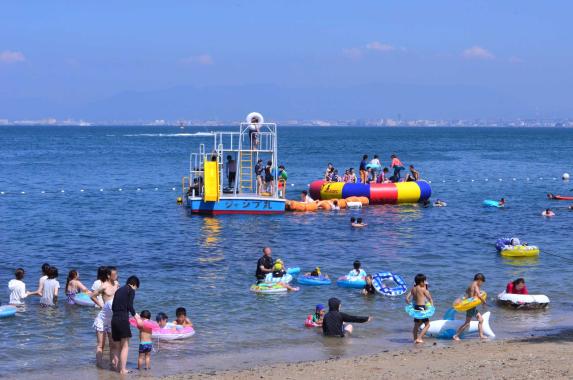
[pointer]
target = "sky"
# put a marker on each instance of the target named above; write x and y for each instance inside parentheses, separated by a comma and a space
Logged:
(296, 59)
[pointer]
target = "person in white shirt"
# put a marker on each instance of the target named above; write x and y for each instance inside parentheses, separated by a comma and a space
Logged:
(305, 198)
(51, 286)
(17, 288)
(45, 269)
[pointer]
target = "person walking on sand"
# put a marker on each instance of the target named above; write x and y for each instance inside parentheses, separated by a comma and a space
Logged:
(122, 307)
(474, 290)
(420, 295)
(265, 264)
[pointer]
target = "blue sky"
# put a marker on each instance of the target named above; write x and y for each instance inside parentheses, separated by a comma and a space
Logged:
(71, 58)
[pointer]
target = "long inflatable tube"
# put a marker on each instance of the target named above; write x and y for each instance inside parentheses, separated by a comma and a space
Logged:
(445, 329)
(377, 193)
(523, 301)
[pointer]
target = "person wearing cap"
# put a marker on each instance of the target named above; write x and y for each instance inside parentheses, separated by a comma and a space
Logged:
(334, 321)
(318, 316)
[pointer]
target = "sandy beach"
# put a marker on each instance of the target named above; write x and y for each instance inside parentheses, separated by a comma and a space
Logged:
(529, 358)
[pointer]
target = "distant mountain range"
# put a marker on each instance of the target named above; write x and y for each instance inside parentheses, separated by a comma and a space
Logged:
(278, 102)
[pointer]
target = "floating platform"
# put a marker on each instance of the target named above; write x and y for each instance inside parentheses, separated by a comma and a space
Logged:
(377, 193)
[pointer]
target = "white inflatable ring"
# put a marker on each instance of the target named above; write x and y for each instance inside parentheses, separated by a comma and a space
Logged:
(255, 115)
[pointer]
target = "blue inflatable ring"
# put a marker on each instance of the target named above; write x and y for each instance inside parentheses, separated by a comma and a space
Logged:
(380, 280)
(420, 314)
(351, 282)
(7, 311)
(313, 280)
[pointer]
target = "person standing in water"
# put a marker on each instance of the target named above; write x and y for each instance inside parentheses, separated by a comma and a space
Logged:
(122, 307)
(103, 297)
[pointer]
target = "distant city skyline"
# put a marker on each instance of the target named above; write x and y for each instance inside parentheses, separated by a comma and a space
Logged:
(137, 60)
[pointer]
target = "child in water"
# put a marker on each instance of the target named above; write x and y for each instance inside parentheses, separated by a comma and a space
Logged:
(548, 212)
(181, 318)
(17, 288)
(357, 223)
(357, 271)
(369, 287)
(318, 315)
(516, 287)
(145, 340)
(51, 287)
(501, 202)
(316, 273)
(421, 295)
(74, 286)
(474, 290)
(161, 318)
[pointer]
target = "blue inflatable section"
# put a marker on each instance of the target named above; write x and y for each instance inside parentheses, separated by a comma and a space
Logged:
(355, 190)
(313, 280)
(425, 189)
(7, 311)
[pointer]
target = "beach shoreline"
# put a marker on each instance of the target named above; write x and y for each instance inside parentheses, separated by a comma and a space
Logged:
(531, 357)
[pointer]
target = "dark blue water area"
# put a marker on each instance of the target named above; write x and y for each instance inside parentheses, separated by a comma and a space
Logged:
(207, 264)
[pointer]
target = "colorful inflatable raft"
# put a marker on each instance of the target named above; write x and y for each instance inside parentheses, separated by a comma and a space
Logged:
(377, 193)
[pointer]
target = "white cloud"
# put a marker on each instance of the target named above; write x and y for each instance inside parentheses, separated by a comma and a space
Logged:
(477, 52)
(378, 46)
(353, 53)
(8, 56)
(201, 59)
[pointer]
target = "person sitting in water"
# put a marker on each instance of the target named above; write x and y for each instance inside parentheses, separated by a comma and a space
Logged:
(357, 223)
(305, 198)
(516, 287)
(369, 287)
(316, 273)
(414, 175)
(501, 202)
(74, 286)
(334, 206)
(357, 271)
(318, 316)
(336, 323)
(265, 264)
(162, 320)
(279, 272)
(548, 212)
(181, 318)
(440, 203)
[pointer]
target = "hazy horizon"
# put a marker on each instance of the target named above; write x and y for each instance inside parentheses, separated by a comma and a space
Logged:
(289, 60)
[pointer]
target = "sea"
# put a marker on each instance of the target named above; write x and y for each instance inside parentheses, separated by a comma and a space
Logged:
(81, 197)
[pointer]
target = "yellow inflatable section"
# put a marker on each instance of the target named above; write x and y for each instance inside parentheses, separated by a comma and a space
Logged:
(331, 190)
(408, 192)
(468, 303)
(211, 192)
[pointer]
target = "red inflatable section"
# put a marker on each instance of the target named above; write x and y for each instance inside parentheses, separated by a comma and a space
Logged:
(383, 193)
(314, 189)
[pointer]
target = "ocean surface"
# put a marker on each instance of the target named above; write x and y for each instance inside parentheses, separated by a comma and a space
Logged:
(61, 203)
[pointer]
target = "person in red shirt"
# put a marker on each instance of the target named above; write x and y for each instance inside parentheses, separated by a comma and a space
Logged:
(517, 287)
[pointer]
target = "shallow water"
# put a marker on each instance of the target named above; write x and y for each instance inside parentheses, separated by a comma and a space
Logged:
(207, 264)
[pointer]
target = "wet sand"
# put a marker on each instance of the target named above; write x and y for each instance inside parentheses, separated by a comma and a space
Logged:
(530, 358)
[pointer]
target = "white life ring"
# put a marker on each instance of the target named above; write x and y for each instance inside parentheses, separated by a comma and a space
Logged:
(254, 119)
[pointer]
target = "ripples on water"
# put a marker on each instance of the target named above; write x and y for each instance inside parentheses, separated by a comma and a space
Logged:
(206, 264)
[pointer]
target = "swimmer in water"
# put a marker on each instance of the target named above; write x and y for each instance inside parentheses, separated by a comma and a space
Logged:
(548, 212)
(440, 203)
(501, 202)
(357, 223)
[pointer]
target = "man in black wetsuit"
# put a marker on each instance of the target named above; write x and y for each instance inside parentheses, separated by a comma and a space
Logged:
(265, 264)
(333, 323)
(122, 307)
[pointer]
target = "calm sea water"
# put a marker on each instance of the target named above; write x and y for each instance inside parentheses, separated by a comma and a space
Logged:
(207, 264)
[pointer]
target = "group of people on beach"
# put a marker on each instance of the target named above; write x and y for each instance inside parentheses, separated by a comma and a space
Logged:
(115, 302)
(336, 323)
(371, 171)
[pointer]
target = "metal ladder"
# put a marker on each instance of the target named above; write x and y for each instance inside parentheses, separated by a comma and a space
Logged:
(246, 170)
